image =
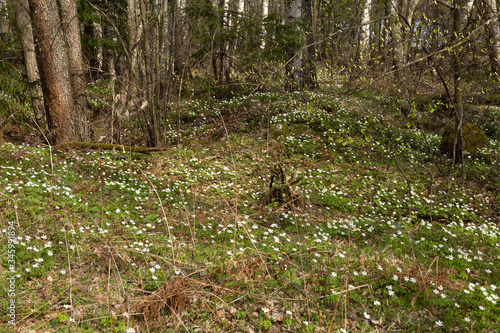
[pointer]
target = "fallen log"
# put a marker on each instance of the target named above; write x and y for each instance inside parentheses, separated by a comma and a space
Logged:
(106, 146)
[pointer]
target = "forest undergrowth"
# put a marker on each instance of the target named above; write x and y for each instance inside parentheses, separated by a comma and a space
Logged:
(391, 237)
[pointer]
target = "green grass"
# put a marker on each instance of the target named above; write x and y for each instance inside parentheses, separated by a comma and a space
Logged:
(389, 239)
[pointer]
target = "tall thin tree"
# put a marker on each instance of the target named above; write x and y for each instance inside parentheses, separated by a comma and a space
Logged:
(309, 68)
(494, 35)
(459, 86)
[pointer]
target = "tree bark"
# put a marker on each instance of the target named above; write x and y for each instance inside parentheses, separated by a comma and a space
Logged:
(128, 97)
(401, 35)
(152, 120)
(364, 36)
(458, 95)
(4, 21)
(98, 34)
(71, 28)
(23, 23)
(494, 35)
(294, 73)
(265, 14)
(56, 83)
(309, 69)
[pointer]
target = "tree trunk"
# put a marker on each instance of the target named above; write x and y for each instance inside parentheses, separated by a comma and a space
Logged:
(108, 64)
(377, 33)
(364, 35)
(219, 52)
(151, 112)
(153, 73)
(4, 20)
(23, 23)
(265, 7)
(56, 83)
(309, 69)
(494, 35)
(128, 97)
(71, 28)
(458, 98)
(387, 33)
(265, 14)
(98, 34)
(180, 35)
(295, 79)
(402, 37)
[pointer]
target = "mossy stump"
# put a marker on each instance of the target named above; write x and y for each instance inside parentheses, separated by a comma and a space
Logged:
(281, 188)
(195, 143)
(279, 130)
(474, 139)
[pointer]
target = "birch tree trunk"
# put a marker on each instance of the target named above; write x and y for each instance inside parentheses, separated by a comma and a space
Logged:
(494, 35)
(293, 66)
(265, 13)
(4, 21)
(56, 82)
(265, 8)
(180, 34)
(241, 6)
(225, 57)
(364, 35)
(465, 12)
(23, 23)
(98, 33)
(71, 28)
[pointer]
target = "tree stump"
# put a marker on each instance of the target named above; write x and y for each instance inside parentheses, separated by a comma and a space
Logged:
(281, 188)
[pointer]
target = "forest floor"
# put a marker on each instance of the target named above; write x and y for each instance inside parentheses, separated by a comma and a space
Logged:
(390, 236)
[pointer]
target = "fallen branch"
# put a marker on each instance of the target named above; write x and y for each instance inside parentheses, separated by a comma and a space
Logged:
(107, 146)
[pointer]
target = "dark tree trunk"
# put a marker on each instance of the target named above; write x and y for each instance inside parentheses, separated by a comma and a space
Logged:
(71, 28)
(56, 83)
(458, 100)
(23, 23)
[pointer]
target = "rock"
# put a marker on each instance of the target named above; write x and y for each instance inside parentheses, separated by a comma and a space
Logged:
(474, 139)
(279, 130)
